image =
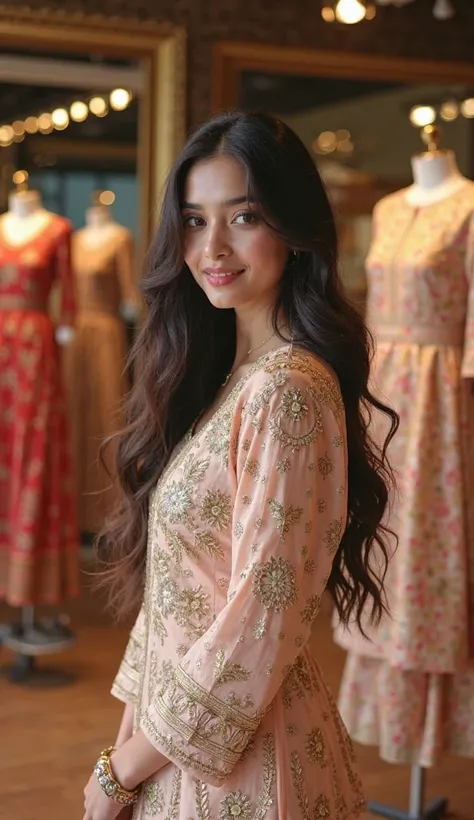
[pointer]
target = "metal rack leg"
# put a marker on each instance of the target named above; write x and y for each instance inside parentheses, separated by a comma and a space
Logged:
(435, 810)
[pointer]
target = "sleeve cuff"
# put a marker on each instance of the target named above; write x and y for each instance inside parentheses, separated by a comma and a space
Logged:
(201, 734)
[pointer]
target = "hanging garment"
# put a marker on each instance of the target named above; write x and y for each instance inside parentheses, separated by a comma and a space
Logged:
(94, 365)
(244, 525)
(410, 688)
(39, 560)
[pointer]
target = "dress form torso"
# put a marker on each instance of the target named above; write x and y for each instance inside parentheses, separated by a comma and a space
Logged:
(436, 177)
(25, 219)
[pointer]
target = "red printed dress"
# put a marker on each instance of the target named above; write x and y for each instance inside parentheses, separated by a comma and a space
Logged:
(38, 532)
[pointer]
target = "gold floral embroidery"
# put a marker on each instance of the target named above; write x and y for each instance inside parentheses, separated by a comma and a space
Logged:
(285, 517)
(259, 629)
(236, 804)
(176, 501)
(246, 500)
(265, 798)
(203, 809)
(309, 566)
(299, 681)
(238, 530)
(252, 467)
(299, 785)
(316, 748)
(244, 702)
(309, 493)
(322, 505)
(225, 672)
(173, 810)
(312, 607)
(325, 466)
(322, 809)
(283, 466)
(333, 536)
(216, 509)
(294, 405)
(153, 798)
(207, 542)
(274, 584)
(337, 441)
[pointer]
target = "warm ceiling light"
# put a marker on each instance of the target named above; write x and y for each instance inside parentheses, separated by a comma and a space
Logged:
(422, 115)
(345, 146)
(79, 111)
(18, 128)
(31, 125)
(342, 134)
(350, 11)
(370, 12)
(98, 106)
(120, 98)
(6, 135)
(327, 13)
(327, 141)
(107, 198)
(467, 108)
(449, 111)
(60, 119)
(45, 123)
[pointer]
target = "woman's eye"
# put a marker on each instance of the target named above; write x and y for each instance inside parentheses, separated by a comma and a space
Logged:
(193, 221)
(246, 218)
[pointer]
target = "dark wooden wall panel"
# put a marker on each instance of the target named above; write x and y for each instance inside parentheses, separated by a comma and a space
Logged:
(409, 31)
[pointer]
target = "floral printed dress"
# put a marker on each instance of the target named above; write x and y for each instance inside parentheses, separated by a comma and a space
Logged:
(410, 689)
(243, 528)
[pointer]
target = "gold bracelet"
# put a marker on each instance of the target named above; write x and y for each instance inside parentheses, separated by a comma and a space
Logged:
(108, 783)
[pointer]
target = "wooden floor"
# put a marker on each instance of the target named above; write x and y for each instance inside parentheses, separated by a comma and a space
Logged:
(49, 738)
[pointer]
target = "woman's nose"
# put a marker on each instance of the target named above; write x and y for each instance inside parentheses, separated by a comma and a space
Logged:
(217, 243)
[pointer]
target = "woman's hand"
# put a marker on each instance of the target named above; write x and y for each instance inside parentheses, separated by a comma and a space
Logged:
(97, 806)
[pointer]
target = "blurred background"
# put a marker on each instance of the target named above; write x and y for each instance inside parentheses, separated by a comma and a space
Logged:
(95, 101)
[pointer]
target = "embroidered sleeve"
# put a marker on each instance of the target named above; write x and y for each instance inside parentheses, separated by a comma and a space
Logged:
(288, 519)
(125, 685)
(467, 367)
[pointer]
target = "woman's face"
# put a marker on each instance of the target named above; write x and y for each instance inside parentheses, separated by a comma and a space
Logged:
(233, 255)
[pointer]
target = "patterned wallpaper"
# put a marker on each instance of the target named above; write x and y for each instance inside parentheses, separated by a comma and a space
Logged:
(409, 32)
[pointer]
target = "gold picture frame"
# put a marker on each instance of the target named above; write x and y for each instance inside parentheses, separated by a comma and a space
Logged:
(230, 59)
(162, 49)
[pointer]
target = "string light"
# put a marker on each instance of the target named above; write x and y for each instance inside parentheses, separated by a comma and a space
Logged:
(421, 115)
(98, 106)
(60, 118)
(120, 99)
(79, 111)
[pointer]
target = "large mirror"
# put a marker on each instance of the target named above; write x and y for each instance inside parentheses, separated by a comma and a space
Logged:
(92, 116)
(359, 116)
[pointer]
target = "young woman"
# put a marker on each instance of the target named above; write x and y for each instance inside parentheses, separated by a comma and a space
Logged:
(250, 485)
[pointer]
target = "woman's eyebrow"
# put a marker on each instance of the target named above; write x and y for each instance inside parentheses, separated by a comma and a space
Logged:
(238, 200)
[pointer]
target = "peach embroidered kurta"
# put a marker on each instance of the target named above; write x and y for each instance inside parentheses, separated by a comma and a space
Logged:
(244, 525)
(412, 689)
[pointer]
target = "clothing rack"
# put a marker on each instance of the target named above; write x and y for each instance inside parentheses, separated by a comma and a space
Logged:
(434, 810)
(30, 639)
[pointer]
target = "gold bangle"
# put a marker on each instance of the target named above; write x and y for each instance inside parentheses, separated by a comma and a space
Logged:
(109, 784)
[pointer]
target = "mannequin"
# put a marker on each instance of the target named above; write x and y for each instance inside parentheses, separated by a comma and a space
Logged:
(38, 533)
(409, 687)
(435, 172)
(94, 364)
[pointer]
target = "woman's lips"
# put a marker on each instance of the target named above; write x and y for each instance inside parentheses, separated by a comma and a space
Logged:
(220, 277)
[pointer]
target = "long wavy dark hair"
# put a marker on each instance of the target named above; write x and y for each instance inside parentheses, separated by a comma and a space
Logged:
(186, 346)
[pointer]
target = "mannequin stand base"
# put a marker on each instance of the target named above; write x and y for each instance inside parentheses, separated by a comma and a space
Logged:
(435, 810)
(25, 671)
(31, 641)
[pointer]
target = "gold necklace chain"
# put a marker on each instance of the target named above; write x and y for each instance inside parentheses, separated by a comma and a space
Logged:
(252, 350)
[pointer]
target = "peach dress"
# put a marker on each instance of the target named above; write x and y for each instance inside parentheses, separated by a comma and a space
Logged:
(244, 524)
(411, 689)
